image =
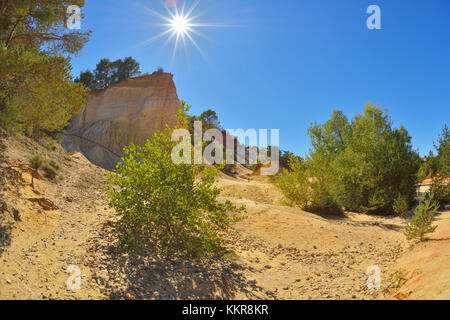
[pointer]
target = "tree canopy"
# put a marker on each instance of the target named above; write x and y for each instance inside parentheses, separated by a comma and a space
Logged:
(364, 165)
(108, 73)
(36, 88)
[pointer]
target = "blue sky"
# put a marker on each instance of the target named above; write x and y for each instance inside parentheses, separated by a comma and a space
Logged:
(283, 64)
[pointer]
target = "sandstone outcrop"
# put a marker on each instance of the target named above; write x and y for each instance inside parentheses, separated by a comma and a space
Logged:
(130, 111)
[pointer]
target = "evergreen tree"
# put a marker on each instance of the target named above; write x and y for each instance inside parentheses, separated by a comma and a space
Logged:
(36, 88)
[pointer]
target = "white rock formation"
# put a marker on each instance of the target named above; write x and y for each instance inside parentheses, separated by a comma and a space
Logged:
(130, 111)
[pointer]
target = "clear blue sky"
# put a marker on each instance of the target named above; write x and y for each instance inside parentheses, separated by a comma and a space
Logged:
(287, 63)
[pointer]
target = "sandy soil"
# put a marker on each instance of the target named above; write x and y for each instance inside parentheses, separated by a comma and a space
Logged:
(425, 268)
(278, 252)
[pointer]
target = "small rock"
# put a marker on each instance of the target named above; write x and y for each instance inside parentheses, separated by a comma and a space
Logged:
(129, 296)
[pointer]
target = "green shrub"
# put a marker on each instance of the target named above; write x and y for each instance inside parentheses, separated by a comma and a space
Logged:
(365, 164)
(50, 147)
(440, 192)
(54, 164)
(422, 222)
(400, 206)
(49, 171)
(293, 183)
(160, 70)
(304, 191)
(167, 208)
(424, 172)
(323, 203)
(36, 162)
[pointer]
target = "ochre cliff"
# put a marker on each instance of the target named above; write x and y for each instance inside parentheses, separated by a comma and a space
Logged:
(130, 111)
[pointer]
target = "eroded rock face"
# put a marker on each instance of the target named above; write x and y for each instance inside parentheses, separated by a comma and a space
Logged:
(130, 111)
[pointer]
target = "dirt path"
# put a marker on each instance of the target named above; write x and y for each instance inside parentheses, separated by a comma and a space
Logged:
(276, 253)
(293, 254)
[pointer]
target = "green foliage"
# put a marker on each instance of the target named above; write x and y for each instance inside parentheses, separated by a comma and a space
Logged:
(54, 164)
(327, 141)
(50, 172)
(108, 73)
(440, 192)
(36, 88)
(165, 207)
(363, 166)
(376, 166)
(294, 183)
(36, 162)
(160, 70)
(443, 149)
(49, 147)
(400, 206)
(88, 80)
(285, 161)
(424, 171)
(439, 165)
(422, 222)
(30, 24)
(209, 120)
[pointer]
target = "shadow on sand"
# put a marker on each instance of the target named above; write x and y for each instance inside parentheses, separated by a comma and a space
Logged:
(147, 277)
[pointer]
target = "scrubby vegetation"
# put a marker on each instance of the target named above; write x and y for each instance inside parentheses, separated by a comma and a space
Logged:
(50, 172)
(294, 183)
(165, 207)
(50, 168)
(439, 165)
(36, 89)
(440, 192)
(422, 222)
(364, 166)
(400, 206)
(36, 163)
(160, 70)
(108, 73)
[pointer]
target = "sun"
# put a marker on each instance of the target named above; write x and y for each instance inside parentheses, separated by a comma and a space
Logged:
(180, 25)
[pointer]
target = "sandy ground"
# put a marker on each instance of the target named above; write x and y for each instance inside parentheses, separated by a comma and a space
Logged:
(278, 252)
(425, 268)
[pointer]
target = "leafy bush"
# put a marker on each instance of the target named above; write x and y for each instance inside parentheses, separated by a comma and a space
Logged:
(322, 202)
(362, 166)
(36, 162)
(400, 206)
(50, 148)
(54, 164)
(165, 207)
(440, 192)
(37, 92)
(160, 70)
(41, 95)
(422, 222)
(443, 149)
(424, 172)
(366, 164)
(49, 171)
(294, 183)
